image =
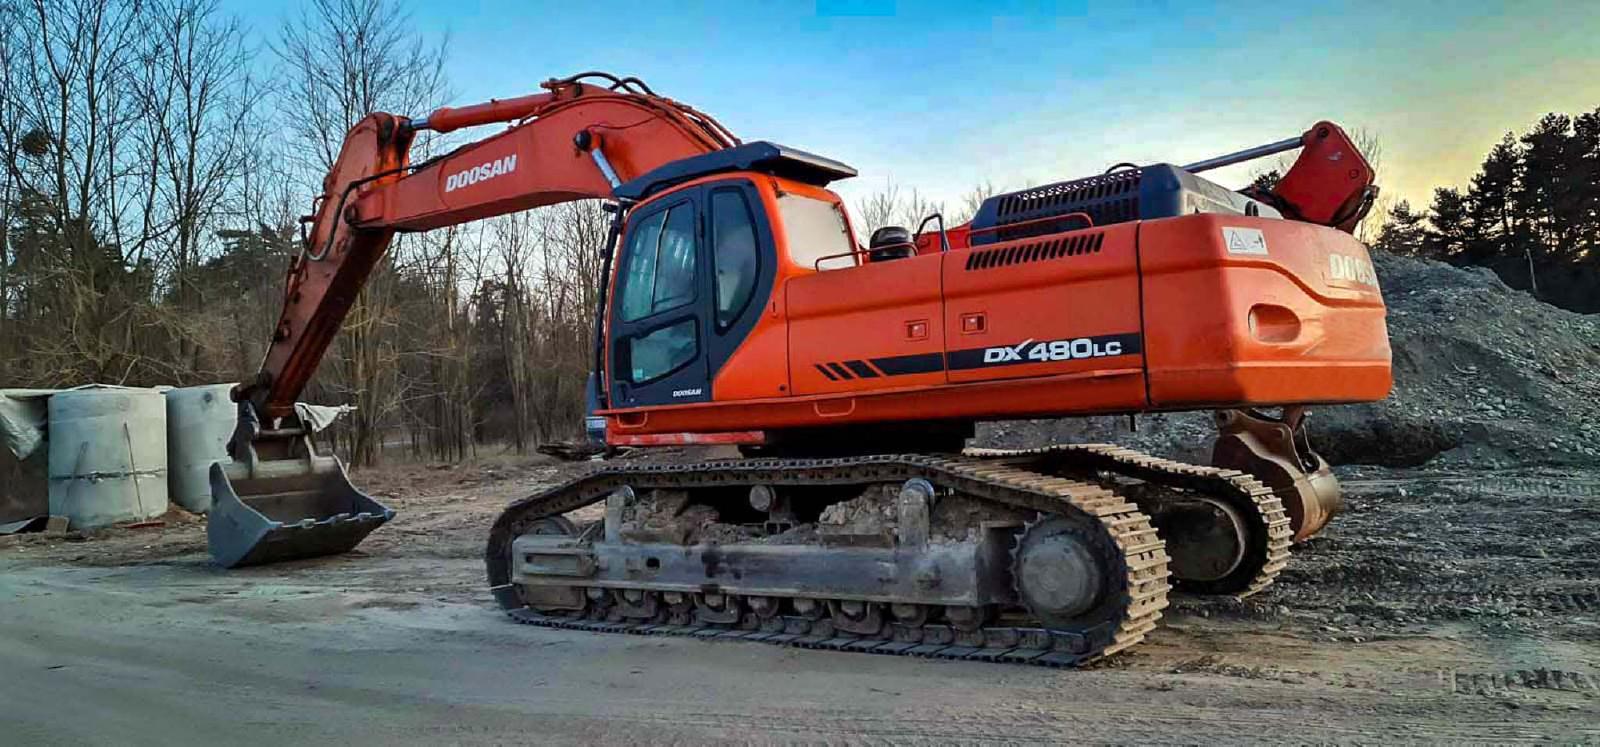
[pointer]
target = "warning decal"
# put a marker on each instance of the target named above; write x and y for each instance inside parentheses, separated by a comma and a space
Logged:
(1244, 241)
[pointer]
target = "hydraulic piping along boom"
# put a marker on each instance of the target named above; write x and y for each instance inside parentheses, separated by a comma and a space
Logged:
(574, 141)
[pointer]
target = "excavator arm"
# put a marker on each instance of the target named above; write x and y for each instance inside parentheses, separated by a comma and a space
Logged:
(574, 141)
(279, 499)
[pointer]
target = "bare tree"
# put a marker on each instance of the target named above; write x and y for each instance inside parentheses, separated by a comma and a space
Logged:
(344, 59)
(972, 200)
(340, 60)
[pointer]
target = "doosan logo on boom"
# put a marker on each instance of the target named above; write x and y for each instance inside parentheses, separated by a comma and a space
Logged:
(481, 172)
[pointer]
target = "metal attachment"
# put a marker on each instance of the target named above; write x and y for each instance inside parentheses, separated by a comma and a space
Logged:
(281, 500)
(1278, 452)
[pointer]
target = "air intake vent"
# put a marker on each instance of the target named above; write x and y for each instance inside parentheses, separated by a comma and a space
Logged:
(1038, 251)
(1030, 202)
(1150, 192)
(1107, 199)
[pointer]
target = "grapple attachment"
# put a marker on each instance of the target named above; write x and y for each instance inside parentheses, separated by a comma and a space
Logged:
(295, 504)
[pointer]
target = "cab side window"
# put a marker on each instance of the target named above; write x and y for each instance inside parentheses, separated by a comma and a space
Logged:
(659, 275)
(656, 354)
(736, 256)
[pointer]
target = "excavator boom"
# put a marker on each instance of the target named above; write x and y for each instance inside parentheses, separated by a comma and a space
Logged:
(575, 141)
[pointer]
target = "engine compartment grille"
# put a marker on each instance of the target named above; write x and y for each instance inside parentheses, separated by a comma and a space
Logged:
(1037, 251)
(1106, 199)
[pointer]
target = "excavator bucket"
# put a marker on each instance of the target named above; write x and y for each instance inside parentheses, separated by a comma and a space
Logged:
(271, 510)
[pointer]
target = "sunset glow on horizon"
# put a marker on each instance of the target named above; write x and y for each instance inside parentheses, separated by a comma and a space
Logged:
(941, 96)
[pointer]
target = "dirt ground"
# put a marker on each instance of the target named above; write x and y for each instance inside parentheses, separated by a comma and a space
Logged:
(1444, 606)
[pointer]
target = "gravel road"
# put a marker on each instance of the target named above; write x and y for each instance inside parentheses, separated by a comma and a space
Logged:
(1444, 607)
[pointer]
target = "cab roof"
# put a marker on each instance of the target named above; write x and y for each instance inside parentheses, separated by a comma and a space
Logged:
(762, 156)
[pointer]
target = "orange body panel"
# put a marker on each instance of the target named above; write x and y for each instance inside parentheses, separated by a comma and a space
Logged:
(758, 369)
(1132, 317)
(1055, 288)
(1301, 322)
(840, 320)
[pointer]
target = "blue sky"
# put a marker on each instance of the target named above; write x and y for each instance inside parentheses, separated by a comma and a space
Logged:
(942, 95)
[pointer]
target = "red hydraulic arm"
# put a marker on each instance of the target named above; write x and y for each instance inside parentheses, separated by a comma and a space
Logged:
(574, 141)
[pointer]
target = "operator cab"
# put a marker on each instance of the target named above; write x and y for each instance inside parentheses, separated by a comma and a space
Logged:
(707, 241)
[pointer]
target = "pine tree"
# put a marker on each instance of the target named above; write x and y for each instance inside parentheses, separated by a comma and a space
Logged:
(1405, 231)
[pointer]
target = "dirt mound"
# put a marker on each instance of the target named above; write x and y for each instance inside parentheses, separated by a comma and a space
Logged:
(1484, 375)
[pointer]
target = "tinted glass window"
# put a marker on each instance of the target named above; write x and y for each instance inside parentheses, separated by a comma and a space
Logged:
(659, 271)
(675, 260)
(737, 261)
(661, 352)
(639, 270)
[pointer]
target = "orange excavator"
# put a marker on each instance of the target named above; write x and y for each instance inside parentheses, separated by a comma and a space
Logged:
(738, 309)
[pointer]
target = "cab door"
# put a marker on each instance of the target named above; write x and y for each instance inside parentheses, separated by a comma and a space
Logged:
(658, 315)
(696, 268)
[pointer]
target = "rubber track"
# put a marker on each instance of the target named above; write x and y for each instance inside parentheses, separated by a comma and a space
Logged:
(1142, 559)
(1241, 488)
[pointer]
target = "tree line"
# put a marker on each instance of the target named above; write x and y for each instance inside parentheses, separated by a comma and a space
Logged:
(1531, 214)
(155, 156)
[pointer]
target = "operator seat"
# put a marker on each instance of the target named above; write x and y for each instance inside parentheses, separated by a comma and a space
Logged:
(890, 242)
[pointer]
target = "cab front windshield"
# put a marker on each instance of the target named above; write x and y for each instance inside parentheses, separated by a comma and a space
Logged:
(816, 229)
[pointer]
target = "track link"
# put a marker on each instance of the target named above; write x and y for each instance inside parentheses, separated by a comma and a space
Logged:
(1267, 555)
(1134, 555)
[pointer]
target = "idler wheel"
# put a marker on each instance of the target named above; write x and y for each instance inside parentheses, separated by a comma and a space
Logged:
(968, 619)
(765, 608)
(1206, 538)
(565, 601)
(852, 616)
(808, 608)
(914, 615)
